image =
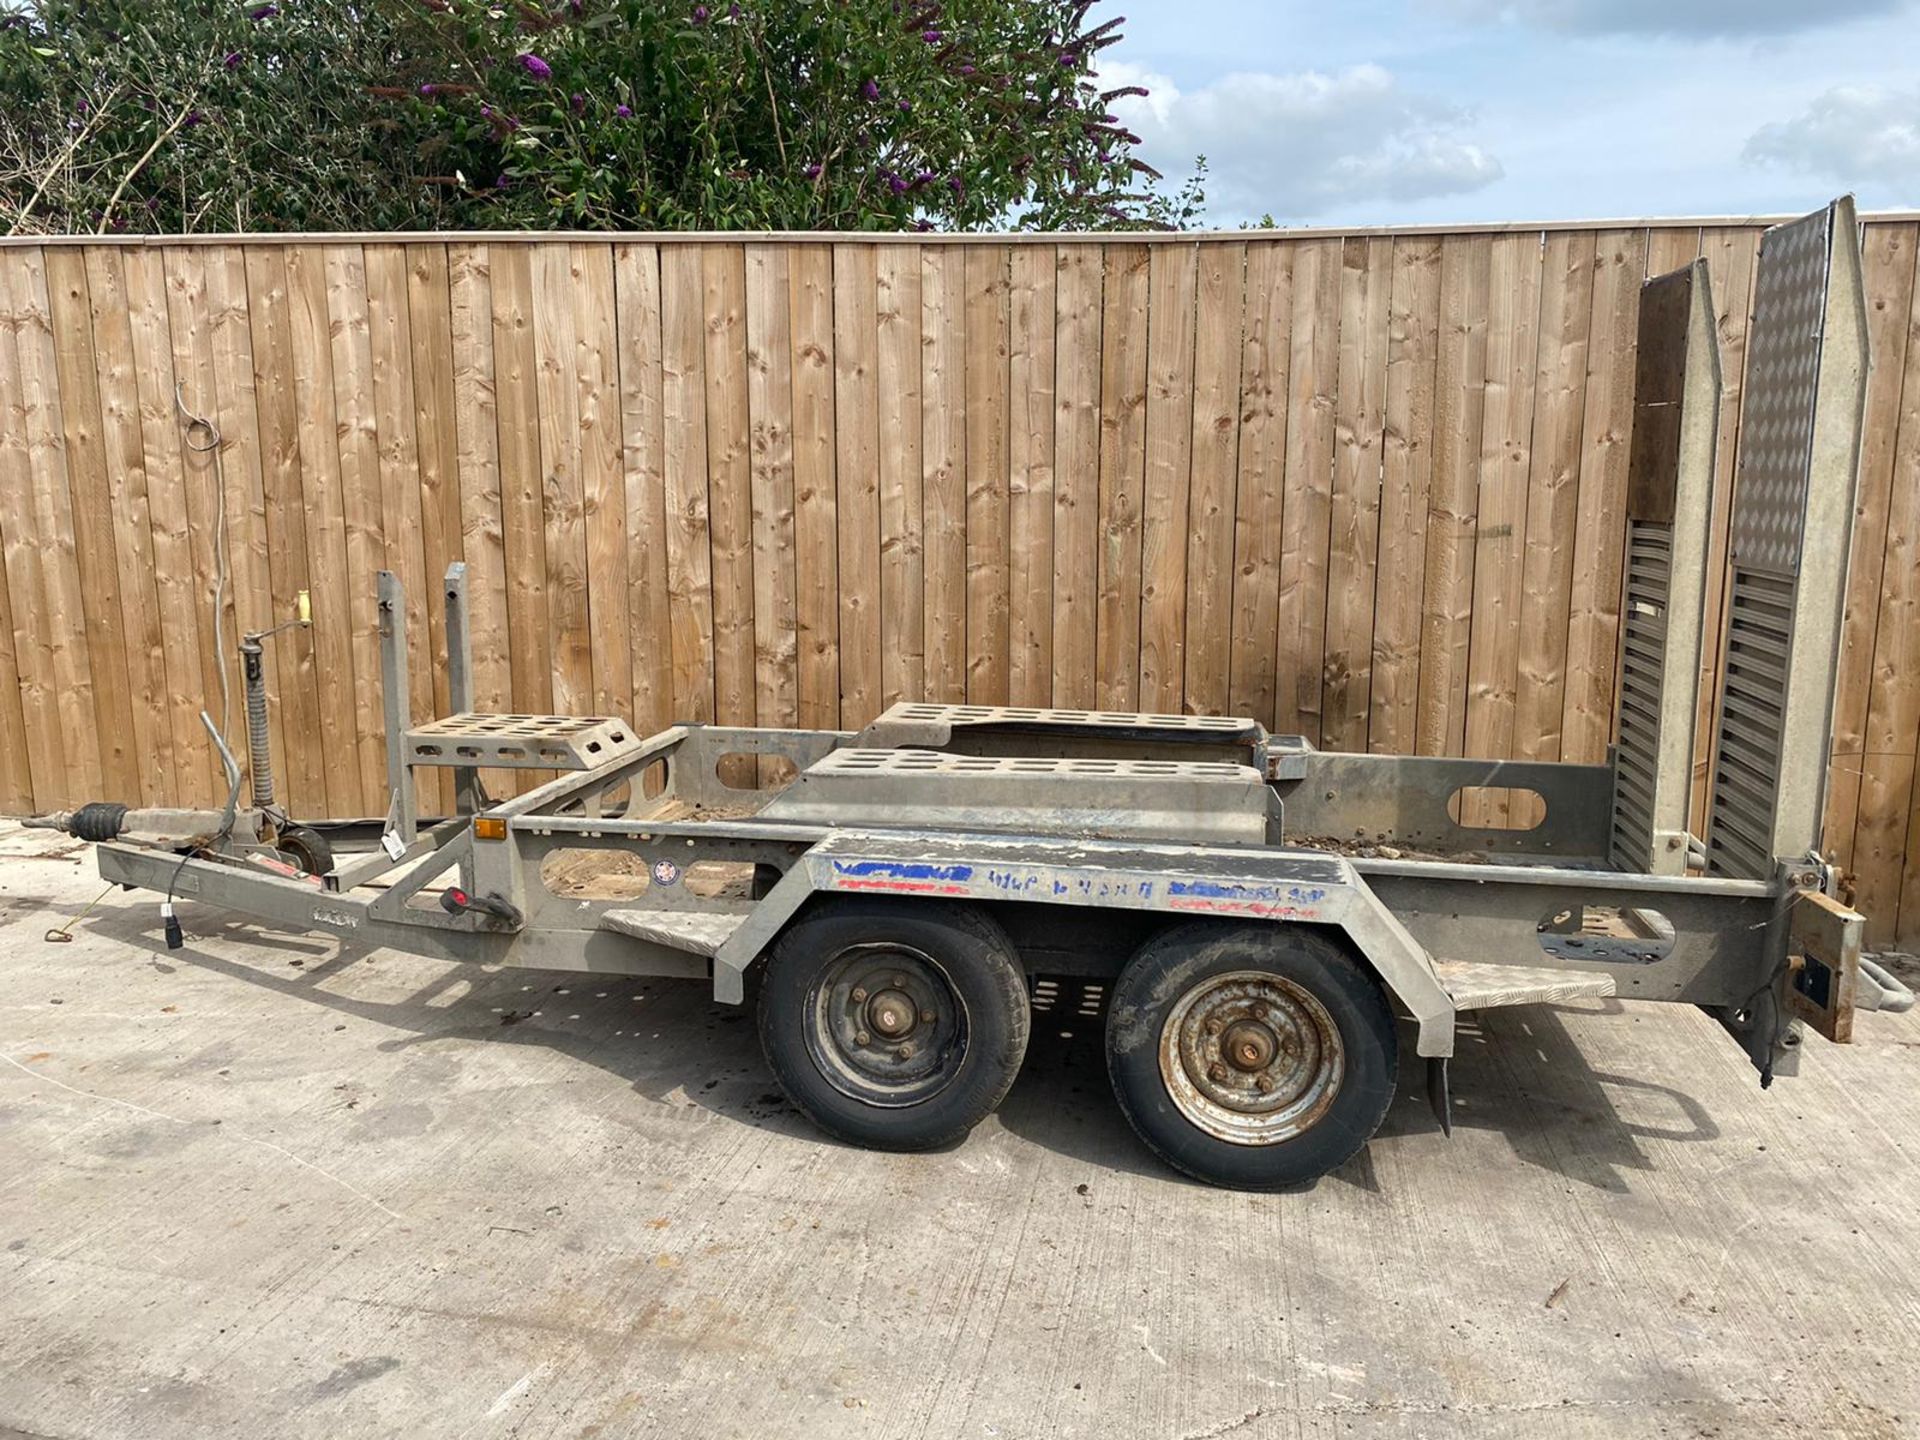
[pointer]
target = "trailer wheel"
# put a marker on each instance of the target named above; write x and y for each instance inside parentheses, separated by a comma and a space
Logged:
(1250, 1056)
(306, 848)
(897, 1025)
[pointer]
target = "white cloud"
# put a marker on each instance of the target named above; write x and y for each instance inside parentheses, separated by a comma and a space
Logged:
(1856, 135)
(1301, 144)
(1695, 18)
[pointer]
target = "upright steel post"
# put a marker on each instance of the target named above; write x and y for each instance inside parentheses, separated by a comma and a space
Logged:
(466, 780)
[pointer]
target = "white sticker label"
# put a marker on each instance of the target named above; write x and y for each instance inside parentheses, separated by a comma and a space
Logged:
(393, 845)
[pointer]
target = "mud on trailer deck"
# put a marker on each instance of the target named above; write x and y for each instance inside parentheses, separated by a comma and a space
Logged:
(1258, 915)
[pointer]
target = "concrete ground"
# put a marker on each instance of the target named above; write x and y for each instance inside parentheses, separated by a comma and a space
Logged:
(262, 1186)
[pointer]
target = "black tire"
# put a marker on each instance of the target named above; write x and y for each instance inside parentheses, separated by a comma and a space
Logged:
(1314, 1068)
(306, 848)
(915, 958)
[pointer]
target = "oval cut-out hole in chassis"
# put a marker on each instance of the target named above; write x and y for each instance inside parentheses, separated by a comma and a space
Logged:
(1496, 807)
(588, 874)
(1614, 934)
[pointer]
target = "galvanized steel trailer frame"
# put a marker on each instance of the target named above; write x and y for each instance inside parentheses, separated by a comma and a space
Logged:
(1060, 821)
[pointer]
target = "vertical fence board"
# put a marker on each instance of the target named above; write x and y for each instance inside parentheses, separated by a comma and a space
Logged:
(1566, 312)
(1173, 274)
(436, 437)
(689, 531)
(1313, 383)
(987, 409)
(1406, 469)
(1123, 455)
(1353, 544)
(563, 529)
(477, 458)
(730, 490)
(1600, 529)
(1887, 764)
(770, 415)
(325, 528)
(943, 401)
(903, 594)
(292, 679)
(1459, 409)
(1890, 276)
(815, 543)
(637, 314)
(522, 522)
(1260, 495)
(1220, 298)
(1506, 457)
(1079, 280)
(402, 528)
(1031, 372)
(26, 559)
(856, 338)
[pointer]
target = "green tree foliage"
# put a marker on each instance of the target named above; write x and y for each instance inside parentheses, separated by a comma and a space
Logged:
(207, 115)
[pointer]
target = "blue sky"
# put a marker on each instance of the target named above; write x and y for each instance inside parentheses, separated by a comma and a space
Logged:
(1434, 111)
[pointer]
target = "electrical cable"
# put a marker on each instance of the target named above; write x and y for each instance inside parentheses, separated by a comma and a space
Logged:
(209, 444)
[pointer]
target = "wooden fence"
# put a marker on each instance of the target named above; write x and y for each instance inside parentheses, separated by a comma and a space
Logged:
(1367, 487)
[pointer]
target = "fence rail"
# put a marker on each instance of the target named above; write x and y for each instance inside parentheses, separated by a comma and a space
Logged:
(1368, 487)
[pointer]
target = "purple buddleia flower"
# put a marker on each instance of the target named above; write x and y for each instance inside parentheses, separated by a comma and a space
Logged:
(896, 184)
(905, 106)
(232, 62)
(699, 14)
(932, 37)
(578, 102)
(428, 90)
(869, 90)
(263, 12)
(958, 186)
(625, 112)
(535, 66)
(812, 172)
(964, 70)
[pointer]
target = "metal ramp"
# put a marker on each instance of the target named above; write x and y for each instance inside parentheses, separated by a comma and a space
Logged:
(1017, 730)
(1792, 523)
(697, 932)
(1676, 419)
(519, 742)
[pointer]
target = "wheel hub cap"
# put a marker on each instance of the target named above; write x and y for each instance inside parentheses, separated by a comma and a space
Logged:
(885, 1025)
(1251, 1057)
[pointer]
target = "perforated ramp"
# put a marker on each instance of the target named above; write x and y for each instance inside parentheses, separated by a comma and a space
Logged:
(1478, 985)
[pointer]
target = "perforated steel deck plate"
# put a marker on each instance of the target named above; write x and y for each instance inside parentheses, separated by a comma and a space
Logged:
(934, 762)
(520, 742)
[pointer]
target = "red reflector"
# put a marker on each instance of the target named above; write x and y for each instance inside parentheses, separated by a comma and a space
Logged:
(459, 896)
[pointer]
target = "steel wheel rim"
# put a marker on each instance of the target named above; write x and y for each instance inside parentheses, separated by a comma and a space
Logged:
(885, 1025)
(1251, 1058)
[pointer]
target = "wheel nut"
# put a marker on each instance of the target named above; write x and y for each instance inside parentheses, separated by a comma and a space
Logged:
(1265, 1082)
(927, 1017)
(1259, 1012)
(859, 994)
(905, 1052)
(1213, 1027)
(860, 1037)
(899, 982)
(1217, 1074)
